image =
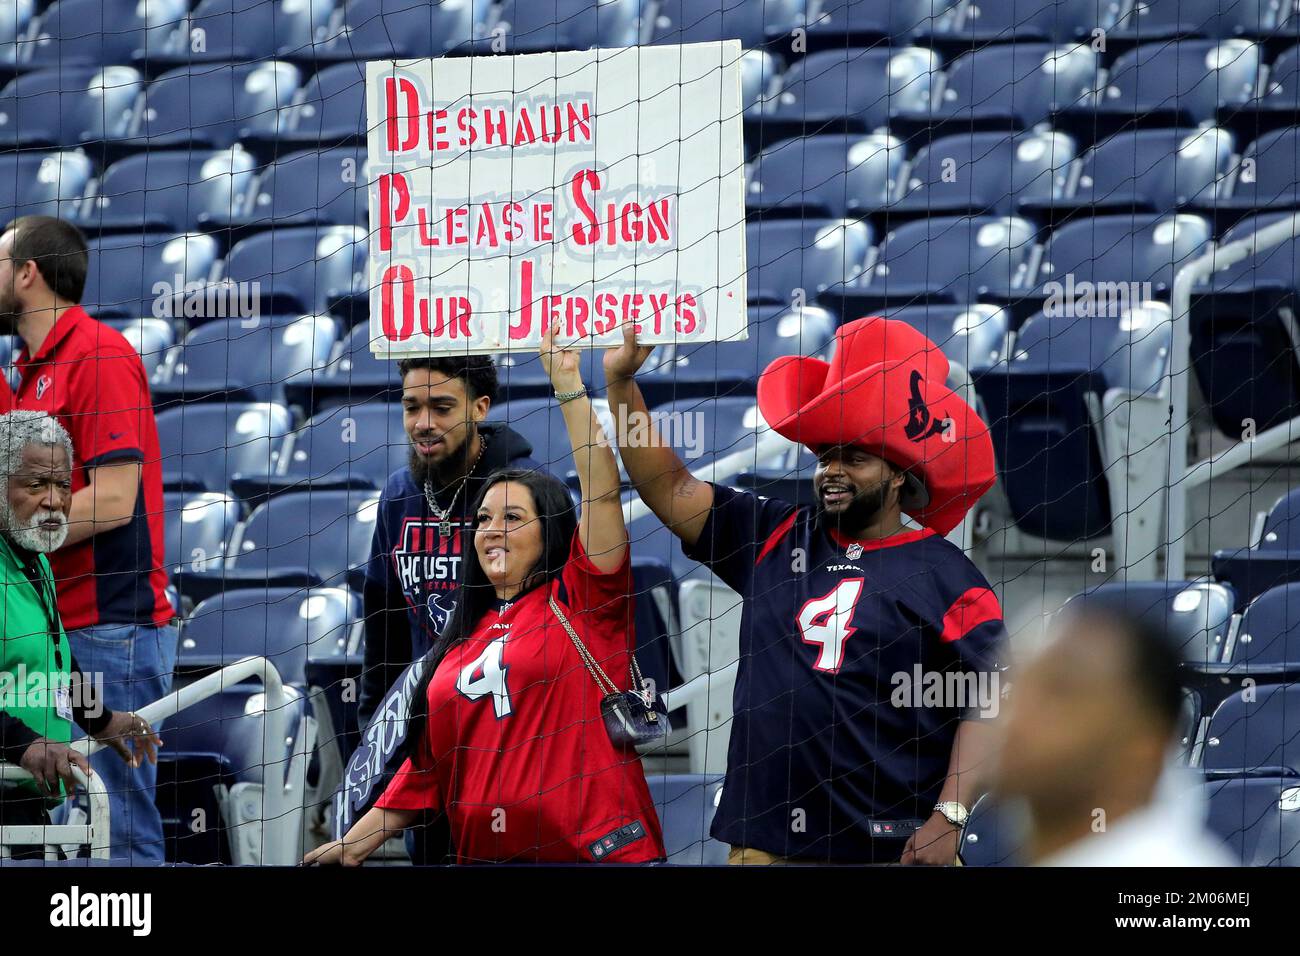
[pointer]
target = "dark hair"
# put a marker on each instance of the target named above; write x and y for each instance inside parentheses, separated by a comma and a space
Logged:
(476, 595)
(1155, 663)
(478, 372)
(59, 250)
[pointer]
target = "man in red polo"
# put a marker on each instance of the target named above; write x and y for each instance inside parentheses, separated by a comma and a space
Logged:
(110, 574)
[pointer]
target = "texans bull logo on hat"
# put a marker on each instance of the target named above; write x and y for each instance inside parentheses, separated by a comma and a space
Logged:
(885, 390)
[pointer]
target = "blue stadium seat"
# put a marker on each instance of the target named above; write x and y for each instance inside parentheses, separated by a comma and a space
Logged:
(1015, 86)
(865, 22)
(306, 269)
(244, 30)
(68, 106)
(1040, 405)
(34, 183)
(1276, 103)
(330, 109)
(1265, 178)
(753, 22)
(403, 30)
(15, 18)
(151, 338)
(1157, 170)
(651, 541)
(344, 447)
(210, 105)
(1134, 256)
(1175, 83)
(204, 446)
(1268, 639)
(127, 272)
(812, 255)
(234, 360)
(326, 534)
(996, 834)
(976, 174)
(541, 422)
(101, 32)
(1272, 560)
(1195, 615)
(833, 175)
(168, 191)
(1044, 21)
(353, 377)
(1205, 19)
(197, 529)
(758, 73)
(280, 624)
(211, 746)
(939, 259)
(972, 337)
(537, 26)
(686, 803)
(703, 430)
(1242, 343)
(1258, 818)
(854, 90)
(707, 369)
(521, 375)
(1256, 737)
(326, 187)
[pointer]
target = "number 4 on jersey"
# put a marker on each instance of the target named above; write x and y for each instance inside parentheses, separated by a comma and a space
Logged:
(825, 621)
(487, 675)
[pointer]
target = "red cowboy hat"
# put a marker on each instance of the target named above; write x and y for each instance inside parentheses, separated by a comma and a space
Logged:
(884, 390)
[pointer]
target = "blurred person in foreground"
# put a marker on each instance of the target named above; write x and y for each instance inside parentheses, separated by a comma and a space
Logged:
(1088, 748)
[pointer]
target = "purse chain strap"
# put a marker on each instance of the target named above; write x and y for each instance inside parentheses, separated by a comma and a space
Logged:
(593, 667)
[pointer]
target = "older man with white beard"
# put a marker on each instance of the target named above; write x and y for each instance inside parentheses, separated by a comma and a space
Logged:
(42, 689)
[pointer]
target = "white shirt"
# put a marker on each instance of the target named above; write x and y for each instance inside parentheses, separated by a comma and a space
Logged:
(1166, 832)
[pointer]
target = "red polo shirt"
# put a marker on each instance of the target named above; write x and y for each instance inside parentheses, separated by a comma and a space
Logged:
(89, 377)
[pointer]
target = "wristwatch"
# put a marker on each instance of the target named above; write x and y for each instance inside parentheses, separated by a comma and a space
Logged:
(953, 812)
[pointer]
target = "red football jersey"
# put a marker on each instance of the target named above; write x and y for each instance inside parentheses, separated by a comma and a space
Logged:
(516, 752)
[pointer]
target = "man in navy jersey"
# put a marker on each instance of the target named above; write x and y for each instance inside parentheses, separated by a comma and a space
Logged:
(864, 644)
(423, 526)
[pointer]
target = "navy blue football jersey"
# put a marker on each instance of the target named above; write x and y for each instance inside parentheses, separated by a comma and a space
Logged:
(834, 733)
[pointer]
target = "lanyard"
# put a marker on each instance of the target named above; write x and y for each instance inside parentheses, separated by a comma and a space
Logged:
(50, 607)
(49, 604)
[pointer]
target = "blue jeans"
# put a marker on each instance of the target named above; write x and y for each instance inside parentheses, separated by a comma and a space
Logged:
(135, 663)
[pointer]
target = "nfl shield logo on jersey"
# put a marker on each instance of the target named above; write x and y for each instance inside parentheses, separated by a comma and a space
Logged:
(854, 552)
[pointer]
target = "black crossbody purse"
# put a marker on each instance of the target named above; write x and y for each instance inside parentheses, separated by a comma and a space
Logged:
(631, 717)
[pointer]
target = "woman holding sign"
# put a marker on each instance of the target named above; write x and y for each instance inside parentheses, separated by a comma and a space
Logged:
(534, 703)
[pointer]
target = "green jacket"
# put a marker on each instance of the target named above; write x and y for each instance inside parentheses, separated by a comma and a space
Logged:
(30, 669)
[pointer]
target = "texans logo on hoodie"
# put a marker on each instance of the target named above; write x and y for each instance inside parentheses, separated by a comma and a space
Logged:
(426, 564)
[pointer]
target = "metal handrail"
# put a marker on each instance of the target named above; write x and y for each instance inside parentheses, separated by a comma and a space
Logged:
(279, 830)
(95, 833)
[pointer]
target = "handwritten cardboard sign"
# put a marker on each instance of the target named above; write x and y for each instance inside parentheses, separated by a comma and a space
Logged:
(593, 188)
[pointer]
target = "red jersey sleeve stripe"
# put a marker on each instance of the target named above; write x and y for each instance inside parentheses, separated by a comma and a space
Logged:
(977, 606)
(775, 538)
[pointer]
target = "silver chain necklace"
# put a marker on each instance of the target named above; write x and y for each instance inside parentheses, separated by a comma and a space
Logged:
(444, 517)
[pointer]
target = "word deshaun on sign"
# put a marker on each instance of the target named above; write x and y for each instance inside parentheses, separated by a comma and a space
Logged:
(593, 189)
